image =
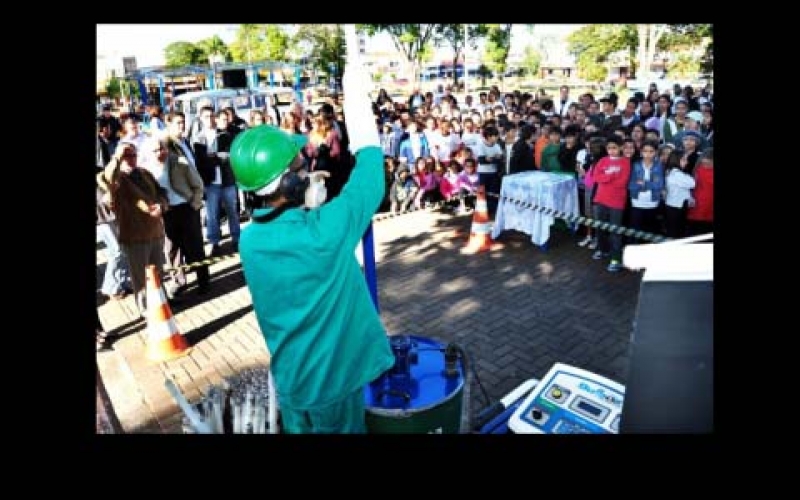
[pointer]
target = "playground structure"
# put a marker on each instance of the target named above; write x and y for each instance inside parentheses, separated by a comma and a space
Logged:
(161, 85)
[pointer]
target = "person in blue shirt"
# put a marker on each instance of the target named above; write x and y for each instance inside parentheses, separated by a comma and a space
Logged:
(309, 294)
(646, 187)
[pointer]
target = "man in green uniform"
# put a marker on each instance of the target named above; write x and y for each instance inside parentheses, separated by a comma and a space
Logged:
(309, 293)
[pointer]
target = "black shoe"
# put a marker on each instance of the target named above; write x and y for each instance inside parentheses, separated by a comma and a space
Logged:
(101, 340)
(235, 247)
(174, 290)
(118, 296)
(216, 251)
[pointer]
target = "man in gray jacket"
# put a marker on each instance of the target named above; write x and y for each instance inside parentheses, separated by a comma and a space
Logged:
(184, 188)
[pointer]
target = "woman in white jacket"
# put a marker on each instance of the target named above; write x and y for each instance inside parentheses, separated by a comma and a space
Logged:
(679, 184)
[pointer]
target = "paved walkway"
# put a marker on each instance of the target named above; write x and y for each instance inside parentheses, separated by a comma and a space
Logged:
(516, 310)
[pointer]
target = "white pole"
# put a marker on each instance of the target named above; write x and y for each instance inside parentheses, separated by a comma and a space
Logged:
(466, 73)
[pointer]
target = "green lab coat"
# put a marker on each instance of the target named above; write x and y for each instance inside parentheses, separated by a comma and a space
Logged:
(310, 296)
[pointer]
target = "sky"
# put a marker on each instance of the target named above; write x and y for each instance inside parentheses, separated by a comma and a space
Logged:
(146, 42)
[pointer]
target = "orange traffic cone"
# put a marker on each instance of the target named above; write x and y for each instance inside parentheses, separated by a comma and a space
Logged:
(479, 239)
(164, 341)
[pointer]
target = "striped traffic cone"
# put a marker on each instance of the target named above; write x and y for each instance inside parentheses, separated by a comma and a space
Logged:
(164, 341)
(479, 239)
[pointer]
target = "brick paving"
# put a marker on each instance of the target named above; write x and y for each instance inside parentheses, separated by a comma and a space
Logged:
(516, 310)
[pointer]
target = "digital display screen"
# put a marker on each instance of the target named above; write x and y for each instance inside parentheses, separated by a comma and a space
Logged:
(591, 409)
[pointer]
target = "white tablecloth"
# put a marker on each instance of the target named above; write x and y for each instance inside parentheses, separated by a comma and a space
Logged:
(545, 189)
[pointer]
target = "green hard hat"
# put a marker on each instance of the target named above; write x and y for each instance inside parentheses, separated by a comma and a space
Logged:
(259, 155)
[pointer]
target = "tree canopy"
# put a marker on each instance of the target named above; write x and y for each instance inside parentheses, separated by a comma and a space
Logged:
(531, 60)
(259, 42)
(178, 54)
(595, 43)
(214, 46)
(409, 39)
(457, 37)
(324, 44)
(498, 43)
(116, 88)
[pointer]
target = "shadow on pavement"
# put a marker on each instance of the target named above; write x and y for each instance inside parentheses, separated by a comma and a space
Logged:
(124, 330)
(205, 331)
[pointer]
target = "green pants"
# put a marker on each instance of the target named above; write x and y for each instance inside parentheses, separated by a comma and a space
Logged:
(344, 417)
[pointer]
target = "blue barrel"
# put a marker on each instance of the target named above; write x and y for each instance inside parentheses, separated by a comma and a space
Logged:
(423, 393)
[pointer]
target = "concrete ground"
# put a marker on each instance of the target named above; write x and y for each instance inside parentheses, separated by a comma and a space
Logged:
(516, 310)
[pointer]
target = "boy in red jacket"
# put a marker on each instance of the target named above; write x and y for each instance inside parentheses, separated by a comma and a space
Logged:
(611, 175)
(701, 214)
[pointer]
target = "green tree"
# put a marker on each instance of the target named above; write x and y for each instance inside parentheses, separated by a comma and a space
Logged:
(591, 69)
(684, 66)
(531, 61)
(409, 39)
(243, 46)
(626, 39)
(131, 88)
(457, 37)
(274, 44)
(683, 35)
(593, 44)
(259, 42)
(324, 43)
(214, 46)
(684, 38)
(113, 88)
(179, 54)
(498, 43)
(426, 54)
(118, 88)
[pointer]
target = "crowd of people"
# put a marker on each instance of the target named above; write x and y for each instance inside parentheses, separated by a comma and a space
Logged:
(645, 163)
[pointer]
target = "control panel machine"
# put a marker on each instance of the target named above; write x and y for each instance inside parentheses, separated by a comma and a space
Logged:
(570, 400)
